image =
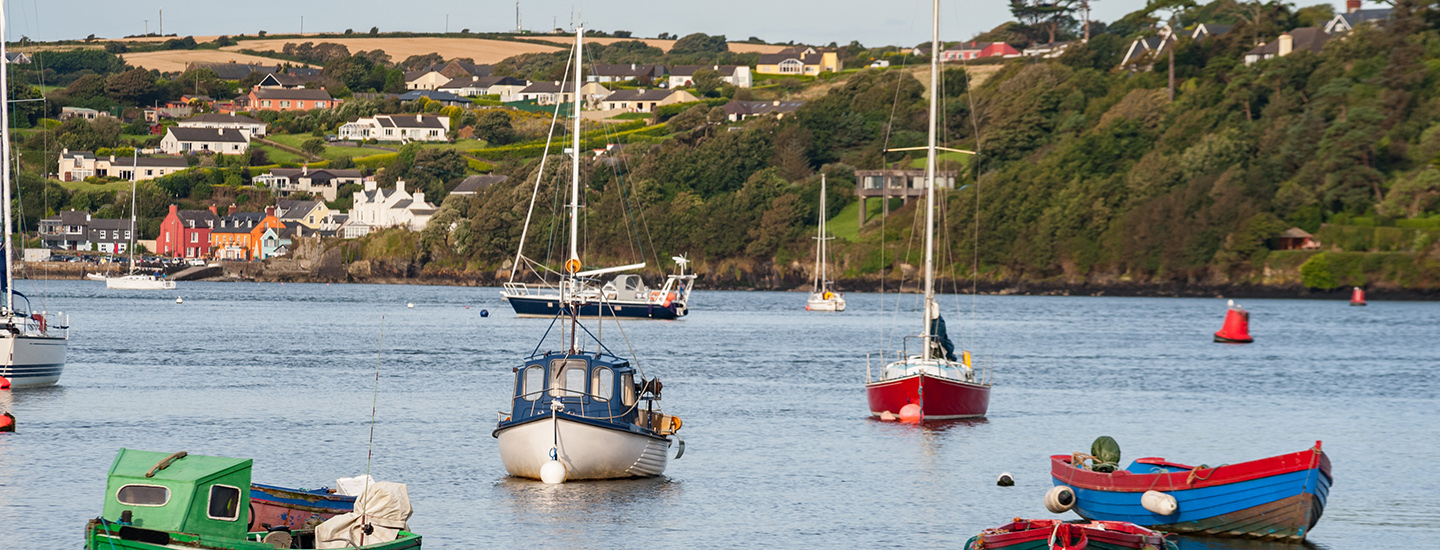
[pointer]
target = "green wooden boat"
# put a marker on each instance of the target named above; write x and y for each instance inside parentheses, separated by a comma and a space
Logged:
(156, 501)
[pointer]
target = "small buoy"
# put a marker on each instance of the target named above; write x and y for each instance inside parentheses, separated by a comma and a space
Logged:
(1005, 480)
(1059, 499)
(1158, 502)
(888, 416)
(1237, 326)
(467, 307)
(484, 313)
(552, 472)
(910, 413)
(179, 300)
(410, 305)
(4, 383)
(7, 422)
(1357, 297)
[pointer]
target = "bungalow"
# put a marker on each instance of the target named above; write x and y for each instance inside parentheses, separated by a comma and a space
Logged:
(978, 50)
(734, 75)
(1296, 239)
(290, 99)
(1302, 39)
(456, 68)
(403, 128)
(379, 207)
(606, 72)
(288, 81)
(324, 183)
(473, 184)
(549, 93)
(645, 101)
(1354, 16)
(237, 236)
(799, 61)
(471, 86)
(425, 79)
(78, 165)
(186, 233)
(223, 141)
(249, 126)
(741, 110)
(67, 113)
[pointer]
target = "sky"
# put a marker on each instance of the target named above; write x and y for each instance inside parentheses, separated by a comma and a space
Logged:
(892, 22)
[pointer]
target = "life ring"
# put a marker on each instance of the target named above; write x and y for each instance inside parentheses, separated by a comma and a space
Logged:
(828, 295)
(39, 319)
(654, 296)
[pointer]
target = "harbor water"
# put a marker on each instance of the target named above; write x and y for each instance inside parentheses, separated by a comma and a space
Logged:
(780, 449)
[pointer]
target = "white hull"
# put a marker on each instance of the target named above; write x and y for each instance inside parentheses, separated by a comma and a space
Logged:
(819, 303)
(95, 276)
(588, 452)
(30, 361)
(141, 282)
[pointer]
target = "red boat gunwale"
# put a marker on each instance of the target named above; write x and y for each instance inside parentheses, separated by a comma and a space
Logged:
(1116, 533)
(1126, 482)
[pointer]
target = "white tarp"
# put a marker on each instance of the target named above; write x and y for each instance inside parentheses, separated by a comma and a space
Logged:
(384, 505)
(353, 486)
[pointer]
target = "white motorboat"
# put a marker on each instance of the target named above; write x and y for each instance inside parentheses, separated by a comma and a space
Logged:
(96, 276)
(822, 298)
(136, 280)
(583, 414)
(32, 344)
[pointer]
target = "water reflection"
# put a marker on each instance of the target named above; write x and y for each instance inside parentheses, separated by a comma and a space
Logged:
(1208, 543)
(569, 511)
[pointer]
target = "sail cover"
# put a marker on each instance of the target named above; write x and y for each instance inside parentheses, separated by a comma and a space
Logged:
(941, 338)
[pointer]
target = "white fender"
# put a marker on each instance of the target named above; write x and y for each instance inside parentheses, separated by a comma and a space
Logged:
(1159, 503)
(1059, 499)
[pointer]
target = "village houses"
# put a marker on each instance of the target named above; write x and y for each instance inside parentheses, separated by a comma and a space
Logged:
(379, 207)
(221, 141)
(800, 61)
(323, 182)
(734, 75)
(401, 128)
(78, 165)
(237, 236)
(246, 125)
(473, 86)
(548, 93)
(72, 230)
(645, 101)
(290, 99)
(186, 233)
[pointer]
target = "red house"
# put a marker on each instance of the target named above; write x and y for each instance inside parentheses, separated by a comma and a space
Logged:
(977, 50)
(186, 233)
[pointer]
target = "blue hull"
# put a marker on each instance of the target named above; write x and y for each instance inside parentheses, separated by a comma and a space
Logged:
(550, 307)
(1283, 507)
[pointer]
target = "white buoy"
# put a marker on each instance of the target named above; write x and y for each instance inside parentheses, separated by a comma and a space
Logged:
(1158, 502)
(1059, 499)
(179, 300)
(410, 305)
(1005, 480)
(552, 472)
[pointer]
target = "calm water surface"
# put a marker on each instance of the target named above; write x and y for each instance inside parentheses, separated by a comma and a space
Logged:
(781, 452)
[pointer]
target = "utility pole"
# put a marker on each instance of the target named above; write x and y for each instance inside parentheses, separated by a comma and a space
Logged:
(162, 22)
(1171, 48)
(1085, 6)
(447, 23)
(518, 28)
(302, 25)
(147, 27)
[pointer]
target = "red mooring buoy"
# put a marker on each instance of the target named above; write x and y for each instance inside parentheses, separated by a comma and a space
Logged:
(1357, 297)
(7, 422)
(1237, 326)
(4, 383)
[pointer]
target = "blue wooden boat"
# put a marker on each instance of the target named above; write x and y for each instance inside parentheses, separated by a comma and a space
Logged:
(1277, 498)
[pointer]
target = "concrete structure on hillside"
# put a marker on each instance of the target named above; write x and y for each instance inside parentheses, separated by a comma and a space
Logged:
(903, 184)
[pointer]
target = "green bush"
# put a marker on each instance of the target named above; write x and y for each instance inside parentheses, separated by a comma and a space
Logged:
(1316, 273)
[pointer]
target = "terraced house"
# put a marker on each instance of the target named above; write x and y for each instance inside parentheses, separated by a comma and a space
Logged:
(237, 236)
(186, 233)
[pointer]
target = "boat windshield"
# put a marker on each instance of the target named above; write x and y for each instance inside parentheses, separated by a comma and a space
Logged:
(567, 377)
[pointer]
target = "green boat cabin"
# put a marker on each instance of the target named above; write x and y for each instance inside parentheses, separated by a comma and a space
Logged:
(200, 495)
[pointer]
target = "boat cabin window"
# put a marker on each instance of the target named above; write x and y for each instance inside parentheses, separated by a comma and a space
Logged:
(224, 503)
(602, 385)
(534, 383)
(567, 377)
(143, 495)
(627, 389)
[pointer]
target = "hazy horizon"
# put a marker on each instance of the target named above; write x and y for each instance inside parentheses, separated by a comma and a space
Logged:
(904, 23)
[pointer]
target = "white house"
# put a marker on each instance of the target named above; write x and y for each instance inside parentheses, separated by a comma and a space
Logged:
(378, 208)
(734, 75)
(404, 128)
(78, 165)
(548, 93)
(425, 79)
(645, 101)
(221, 141)
(321, 183)
(245, 124)
(471, 86)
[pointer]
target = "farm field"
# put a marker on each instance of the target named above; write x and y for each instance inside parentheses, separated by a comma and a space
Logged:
(736, 47)
(480, 49)
(174, 61)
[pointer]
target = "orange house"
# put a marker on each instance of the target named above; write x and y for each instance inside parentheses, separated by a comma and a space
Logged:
(290, 99)
(237, 236)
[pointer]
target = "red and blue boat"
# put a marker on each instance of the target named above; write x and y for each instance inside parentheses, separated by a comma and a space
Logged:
(1052, 534)
(1278, 498)
(273, 507)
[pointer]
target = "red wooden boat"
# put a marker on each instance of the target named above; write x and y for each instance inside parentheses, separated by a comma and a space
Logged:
(933, 384)
(1036, 534)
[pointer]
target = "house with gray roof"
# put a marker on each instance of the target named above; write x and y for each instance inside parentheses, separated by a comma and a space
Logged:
(471, 86)
(221, 141)
(606, 72)
(401, 128)
(741, 110)
(232, 70)
(324, 182)
(474, 184)
(734, 75)
(378, 207)
(242, 123)
(1311, 39)
(645, 101)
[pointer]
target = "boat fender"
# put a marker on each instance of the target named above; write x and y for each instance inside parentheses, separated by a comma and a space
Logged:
(911, 413)
(1005, 480)
(1059, 499)
(669, 298)
(887, 415)
(40, 319)
(7, 422)
(1159, 503)
(552, 472)
(484, 313)
(4, 383)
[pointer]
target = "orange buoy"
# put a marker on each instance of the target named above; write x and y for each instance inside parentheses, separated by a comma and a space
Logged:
(911, 413)
(4, 383)
(887, 415)
(1357, 297)
(7, 422)
(1237, 326)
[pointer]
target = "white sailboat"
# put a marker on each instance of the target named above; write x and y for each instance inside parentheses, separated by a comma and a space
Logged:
(135, 280)
(822, 298)
(32, 344)
(583, 414)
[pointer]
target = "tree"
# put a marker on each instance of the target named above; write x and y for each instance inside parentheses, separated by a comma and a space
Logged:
(707, 82)
(313, 146)
(1050, 15)
(700, 44)
(374, 31)
(495, 127)
(132, 87)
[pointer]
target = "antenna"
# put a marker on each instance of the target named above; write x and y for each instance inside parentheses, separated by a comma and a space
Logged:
(518, 28)
(162, 22)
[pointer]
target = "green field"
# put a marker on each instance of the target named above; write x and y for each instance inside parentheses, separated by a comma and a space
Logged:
(941, 158)
(278, 156)
(846, 224)
(82, 186)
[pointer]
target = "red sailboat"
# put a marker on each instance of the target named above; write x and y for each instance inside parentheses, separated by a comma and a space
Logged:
(933, 384)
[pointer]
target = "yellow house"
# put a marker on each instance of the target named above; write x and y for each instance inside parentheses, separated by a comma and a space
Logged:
(307, 213)
(799, 61)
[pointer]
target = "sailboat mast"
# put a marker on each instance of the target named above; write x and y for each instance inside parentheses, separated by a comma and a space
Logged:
(134, 168)
(930, 180)
(575, 161)
(5, 164)
(823, 248)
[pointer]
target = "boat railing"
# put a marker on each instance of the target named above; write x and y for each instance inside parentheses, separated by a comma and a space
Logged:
(44, 324)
